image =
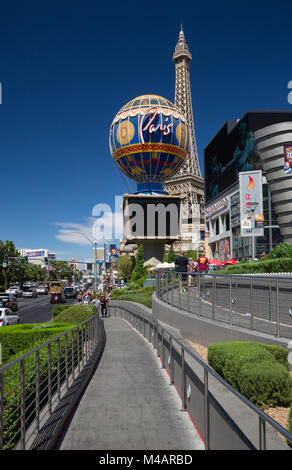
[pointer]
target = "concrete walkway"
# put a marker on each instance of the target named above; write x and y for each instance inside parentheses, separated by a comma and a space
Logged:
(129, 404)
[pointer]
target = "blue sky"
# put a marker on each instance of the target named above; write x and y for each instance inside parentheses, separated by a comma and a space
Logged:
(66, 68)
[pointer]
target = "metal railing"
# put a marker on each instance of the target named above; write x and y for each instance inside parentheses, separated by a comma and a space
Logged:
(254, 302)
(32, 385)
(194, 379)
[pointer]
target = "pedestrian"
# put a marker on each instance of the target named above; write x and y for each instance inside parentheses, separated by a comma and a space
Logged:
(203, 264)
(97, 304)
(181, 266)
(192, 268)
(103, 306)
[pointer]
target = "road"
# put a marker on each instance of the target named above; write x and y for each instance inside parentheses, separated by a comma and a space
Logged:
(37, 310)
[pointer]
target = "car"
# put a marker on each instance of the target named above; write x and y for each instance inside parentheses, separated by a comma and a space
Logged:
(15, 290)
(70, 292)
(42, 290)
(31, 292)
(7, 317)
(8, 301)
(57, 298)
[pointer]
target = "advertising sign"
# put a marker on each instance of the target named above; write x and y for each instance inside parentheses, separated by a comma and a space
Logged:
(251, 203)
(35, 254)
(233, 150)
(288, 159)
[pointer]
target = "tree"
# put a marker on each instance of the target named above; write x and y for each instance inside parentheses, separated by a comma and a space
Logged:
(140, 271)
(125, 267)
(8, 251)
(283, 250)
(171, 255)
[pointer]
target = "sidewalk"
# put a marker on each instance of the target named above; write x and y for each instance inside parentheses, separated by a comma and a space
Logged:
(129, 404)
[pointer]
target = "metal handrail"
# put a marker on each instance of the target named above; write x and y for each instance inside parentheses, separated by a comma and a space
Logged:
(21, 417)
(271, 314)
(263, 417)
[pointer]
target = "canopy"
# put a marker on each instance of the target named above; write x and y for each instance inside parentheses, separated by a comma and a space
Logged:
(165, 265)
(216, 262)
(231, 261)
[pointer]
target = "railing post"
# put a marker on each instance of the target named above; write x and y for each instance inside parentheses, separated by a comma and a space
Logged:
(199, 294)
(37, 389)
(66, 360)
(270, 301)
(277, 307)
(213, 296)
(59, 367)
(22, 404)
(183, 380)
(1, 411)
(188, 293)
(262, 434)
(171, 362)
(50, 378)
(162, 349)
(206, 410)
(251, 304)
(230, 300)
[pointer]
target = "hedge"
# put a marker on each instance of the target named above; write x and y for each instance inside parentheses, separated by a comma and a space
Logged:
(280, 265)
(76, 313)
(12, 392)
(58, 309)
(258, 371)
(18, 339)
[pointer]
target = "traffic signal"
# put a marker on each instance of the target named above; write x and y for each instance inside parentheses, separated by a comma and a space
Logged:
(46, 260)
(26, 259)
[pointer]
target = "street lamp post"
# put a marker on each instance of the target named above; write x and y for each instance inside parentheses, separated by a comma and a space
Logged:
(94, 244)
(252, 207)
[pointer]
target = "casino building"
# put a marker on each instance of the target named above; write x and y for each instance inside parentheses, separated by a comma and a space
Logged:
(257, 141)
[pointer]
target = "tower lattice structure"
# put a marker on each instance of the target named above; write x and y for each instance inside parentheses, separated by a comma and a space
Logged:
(188, 180)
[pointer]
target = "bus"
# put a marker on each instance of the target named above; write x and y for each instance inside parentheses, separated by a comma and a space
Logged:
(56, 287)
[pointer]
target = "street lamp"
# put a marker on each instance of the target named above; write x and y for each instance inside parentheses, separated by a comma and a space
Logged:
(252, 207)
(94, 244)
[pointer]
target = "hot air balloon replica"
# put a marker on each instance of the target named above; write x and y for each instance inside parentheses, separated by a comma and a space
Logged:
(149, 142)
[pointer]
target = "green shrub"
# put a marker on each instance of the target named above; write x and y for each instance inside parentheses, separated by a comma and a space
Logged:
(12, 391)
(58, 309)
(258, 371)
(280, 265)
(283, 250)
(266, 384)
(18, 339)
(76, 314)
(142, 295)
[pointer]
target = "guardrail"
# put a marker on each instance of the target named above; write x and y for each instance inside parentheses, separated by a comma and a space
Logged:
(217, 428)
(33, 385)
(255, 302)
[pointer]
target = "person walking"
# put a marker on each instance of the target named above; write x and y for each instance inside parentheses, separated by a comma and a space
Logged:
(103, 306)
(192, 268)
(181, 266)
(203, 264)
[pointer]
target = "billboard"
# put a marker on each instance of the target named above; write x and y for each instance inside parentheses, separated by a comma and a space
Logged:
(251, 204)
(233, 150)
(288, 159)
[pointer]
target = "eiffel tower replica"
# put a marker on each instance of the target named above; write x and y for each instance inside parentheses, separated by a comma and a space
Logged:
(188, 180)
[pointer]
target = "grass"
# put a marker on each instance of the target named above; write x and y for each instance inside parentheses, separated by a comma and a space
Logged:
(141, 296)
